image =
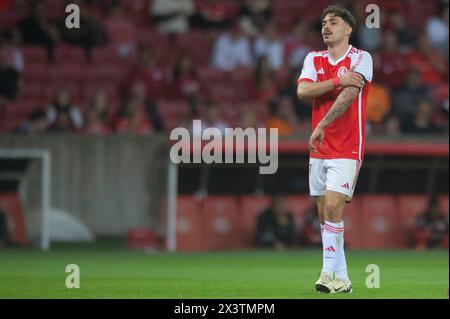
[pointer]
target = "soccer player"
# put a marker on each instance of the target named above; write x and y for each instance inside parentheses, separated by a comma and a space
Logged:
(338, 80)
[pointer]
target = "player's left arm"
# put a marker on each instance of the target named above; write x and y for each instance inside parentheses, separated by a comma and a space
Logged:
(340, 106)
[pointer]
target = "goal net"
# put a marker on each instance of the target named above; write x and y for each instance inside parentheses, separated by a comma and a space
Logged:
(25, 195)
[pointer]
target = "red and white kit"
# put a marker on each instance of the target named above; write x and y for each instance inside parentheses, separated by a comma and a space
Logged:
(336, 165)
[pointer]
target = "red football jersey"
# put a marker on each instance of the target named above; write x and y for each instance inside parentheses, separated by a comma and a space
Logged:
(344, 138)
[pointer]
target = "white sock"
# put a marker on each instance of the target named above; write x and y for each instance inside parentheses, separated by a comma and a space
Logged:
(341, 264)
(330, 234)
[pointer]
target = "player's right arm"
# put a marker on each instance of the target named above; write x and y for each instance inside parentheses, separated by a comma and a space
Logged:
(309, 87)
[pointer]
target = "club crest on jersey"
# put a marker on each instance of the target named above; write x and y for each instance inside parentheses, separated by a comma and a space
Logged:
(342, 70)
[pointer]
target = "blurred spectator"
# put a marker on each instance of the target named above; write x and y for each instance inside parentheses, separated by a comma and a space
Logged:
(211, 14)
(62, 123)
(15, 55)
(270, 45)
(437, 29)
(37, 123)
(431, 64)
(275, 226)
(402, 30)
(248, 117)
(232, 50)
(60, 108)
(90, 34)
(187, 84)
(378, 103)
(146, 74)
(172, 16)
(254, 15)
(4, 236)
(9, 77)
(36, 28)
(392, 127)
(409, 95)
(282, 117)
(431, 228)
(296, 45)
(133, 118)
(311, 228)
(421, 121)
(122, 32)
(96, 115)
(390, 64)
(264, 88)
(213, 118)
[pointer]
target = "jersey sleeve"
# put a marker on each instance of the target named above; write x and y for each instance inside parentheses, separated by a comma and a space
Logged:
(309, 72)
(364, 66)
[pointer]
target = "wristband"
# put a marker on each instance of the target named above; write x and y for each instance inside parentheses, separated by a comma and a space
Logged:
(336, 82)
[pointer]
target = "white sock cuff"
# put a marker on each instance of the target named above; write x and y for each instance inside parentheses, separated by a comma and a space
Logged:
(337, 228)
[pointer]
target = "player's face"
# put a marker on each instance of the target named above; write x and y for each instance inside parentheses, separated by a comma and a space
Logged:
(334, 29)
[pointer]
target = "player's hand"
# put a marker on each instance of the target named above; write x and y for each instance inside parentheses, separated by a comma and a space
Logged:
(351, 78)
(316, 137)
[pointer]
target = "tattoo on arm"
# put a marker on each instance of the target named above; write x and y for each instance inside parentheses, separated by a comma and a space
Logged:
(343, 101)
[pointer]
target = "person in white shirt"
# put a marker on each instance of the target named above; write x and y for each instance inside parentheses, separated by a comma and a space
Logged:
(172, 16)
(271, 46)
(232, 50)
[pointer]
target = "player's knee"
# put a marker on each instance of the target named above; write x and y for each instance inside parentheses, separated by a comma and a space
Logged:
(333, 210)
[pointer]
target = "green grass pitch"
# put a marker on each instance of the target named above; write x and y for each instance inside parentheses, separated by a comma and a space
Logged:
(110, 271)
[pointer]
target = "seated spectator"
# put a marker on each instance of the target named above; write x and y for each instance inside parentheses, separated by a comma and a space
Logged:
(437, 29)
(37, 123)
(172, 16)
(4, 235)
(62, 106)
(390, 64)
(90, 34)
(431, 228)
(409, 94)
(254, 15)
(392, 127)
(264, 88)
(431, 64)
(378, 104)
(96, 115)
(148, 74)
(403, 31)
(232, 50)
(187, 84)
(62, 123)
(121, 31)
(133, 119)
(9, 78)
(312, 229)
(270, 46)
(210, 15)
(296, 45)
(36, 28)
(283, 117)
(15, 55)
(248, 118)
(212, 119)
(275, 226)
(421, 122)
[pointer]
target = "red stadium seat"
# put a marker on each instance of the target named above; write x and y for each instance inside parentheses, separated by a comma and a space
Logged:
(299, 205)
(443, 204)
(36, 72)
(410, 207)
(189, 224)
(380, 221)
(65, 54)
(34, 55)
(251, 207)
(352, 225)
(221, 222)
(210, 75)
(105, 55)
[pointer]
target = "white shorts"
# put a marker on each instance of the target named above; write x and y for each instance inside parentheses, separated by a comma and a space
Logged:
(338, 175)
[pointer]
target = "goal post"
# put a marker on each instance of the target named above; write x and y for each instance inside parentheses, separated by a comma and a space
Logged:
(34, 189)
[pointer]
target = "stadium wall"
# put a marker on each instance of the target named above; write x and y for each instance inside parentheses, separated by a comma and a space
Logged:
(110, 183)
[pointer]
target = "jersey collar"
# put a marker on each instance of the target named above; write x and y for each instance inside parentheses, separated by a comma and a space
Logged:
(341, 58)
